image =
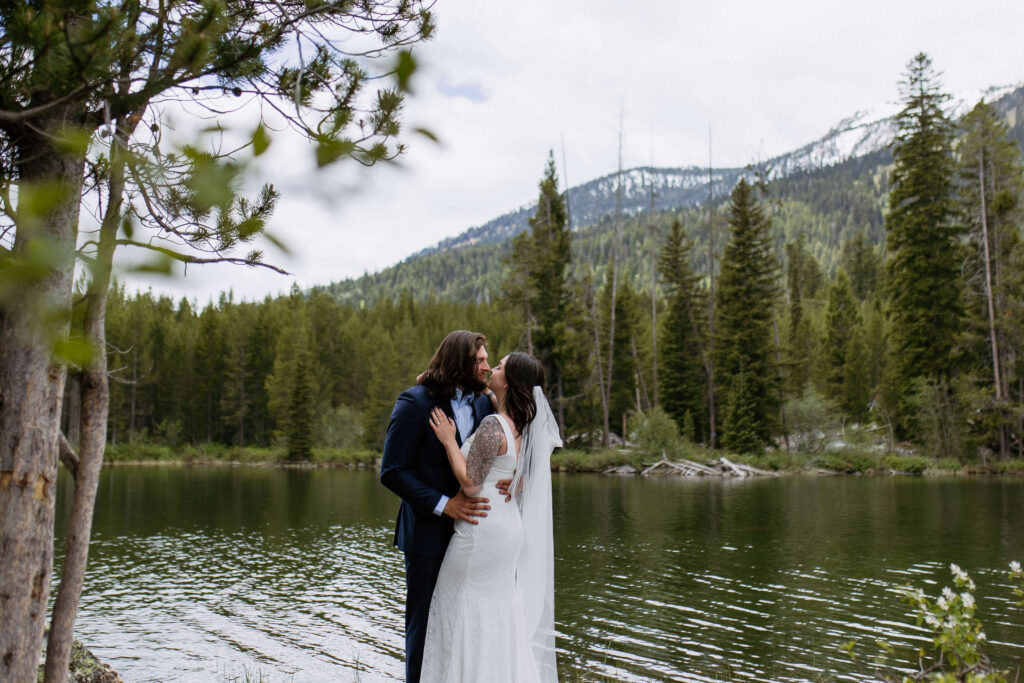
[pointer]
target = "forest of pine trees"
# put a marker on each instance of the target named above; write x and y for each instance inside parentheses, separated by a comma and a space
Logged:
(914, 325)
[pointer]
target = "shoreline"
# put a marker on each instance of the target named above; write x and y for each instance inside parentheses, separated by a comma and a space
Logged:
(853, 462)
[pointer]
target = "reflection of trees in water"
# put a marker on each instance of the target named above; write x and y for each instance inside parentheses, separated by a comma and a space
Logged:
(762, 571)
(654, 577)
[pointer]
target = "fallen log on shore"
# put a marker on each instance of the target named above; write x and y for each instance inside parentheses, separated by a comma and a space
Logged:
(722, 467)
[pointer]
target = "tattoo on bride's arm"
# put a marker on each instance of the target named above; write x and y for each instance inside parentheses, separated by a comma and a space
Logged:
(483, 451)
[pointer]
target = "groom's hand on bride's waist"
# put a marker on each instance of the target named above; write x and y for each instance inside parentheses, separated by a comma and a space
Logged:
(466, 508)
(503, 488)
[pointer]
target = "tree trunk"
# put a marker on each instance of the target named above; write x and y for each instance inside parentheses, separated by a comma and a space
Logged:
(641, 386)
(654, 309)
(561, 406)
(600, 369)
(990, 298)
(134, 385)
(31, 390)
(710, 364)
(778, 370)
(95, 404)
(615, 286)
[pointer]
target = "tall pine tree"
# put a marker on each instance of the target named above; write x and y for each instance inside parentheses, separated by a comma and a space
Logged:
(925, 257)
(802, 277)
(537, 285)
(845, 351)
(744, 350)
(683, 353)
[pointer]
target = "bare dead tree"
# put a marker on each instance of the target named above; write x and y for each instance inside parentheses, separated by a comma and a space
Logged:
(709, 361)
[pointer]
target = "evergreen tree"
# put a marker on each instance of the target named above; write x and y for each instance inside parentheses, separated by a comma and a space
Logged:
(862, 263)
(743, 420)
(802, 276)
(238, 389)
(683, 383)
(744, 350)
(292, 386)
(857, 389)
(303, 400)
(877, 338)
(924, 263)
(538, 287)
(991, 187)
(210, 367)
(845, 352)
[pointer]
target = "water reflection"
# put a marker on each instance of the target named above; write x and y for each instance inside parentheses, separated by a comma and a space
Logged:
(208, 573)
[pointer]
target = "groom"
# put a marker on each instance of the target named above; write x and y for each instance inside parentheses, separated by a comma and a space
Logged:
(415, 466)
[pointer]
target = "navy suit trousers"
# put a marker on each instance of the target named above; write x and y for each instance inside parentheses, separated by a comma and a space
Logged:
(420, 577)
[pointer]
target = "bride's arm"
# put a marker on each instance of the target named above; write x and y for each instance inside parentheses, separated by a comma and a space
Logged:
(487, 445)
(469, 471)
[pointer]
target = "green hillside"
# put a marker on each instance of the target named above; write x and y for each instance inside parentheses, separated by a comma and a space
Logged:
(826, 206)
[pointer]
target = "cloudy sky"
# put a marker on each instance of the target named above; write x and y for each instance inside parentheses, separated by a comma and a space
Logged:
(504, 82)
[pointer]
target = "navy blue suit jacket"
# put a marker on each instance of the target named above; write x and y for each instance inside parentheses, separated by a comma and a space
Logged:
(416, 467)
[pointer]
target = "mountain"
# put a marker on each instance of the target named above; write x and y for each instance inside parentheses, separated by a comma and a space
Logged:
(826, 190)
(676, 188)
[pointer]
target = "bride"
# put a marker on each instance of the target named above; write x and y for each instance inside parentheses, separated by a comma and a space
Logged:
(492, 612)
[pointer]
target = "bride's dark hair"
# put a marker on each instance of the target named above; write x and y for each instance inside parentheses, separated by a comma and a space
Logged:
(523, 372)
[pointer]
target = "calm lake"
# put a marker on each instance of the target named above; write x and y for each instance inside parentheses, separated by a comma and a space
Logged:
(229, 573)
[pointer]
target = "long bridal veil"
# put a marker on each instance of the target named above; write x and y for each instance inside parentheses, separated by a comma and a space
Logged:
(535, 574)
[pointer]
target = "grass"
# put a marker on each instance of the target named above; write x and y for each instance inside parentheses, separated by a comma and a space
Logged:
(853, 459)
(212, 453)
(574, 460)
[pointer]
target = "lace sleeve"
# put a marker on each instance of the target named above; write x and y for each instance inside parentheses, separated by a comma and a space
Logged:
(486, 444)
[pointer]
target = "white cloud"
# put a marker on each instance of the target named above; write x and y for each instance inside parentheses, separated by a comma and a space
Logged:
(503, 83)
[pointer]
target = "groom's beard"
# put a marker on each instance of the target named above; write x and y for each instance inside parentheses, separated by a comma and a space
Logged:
(474, 385)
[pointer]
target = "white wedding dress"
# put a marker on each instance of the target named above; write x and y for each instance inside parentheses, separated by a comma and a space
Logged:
(476, 630)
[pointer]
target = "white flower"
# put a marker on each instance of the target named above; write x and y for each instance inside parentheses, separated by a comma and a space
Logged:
(981, 637)
(932, 621)
(943, 603)
(968, 600)
(959, 573)
(1015, 566)
(947, 593)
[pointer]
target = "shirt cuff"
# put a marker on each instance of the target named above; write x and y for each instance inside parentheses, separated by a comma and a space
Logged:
(439, 508)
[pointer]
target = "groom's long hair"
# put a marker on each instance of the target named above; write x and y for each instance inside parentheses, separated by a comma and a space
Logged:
(454, 365)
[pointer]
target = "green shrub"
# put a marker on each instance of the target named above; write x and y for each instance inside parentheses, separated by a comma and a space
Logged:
(938, 418)
(775, 461)
(812, 412)
(340, 427)
(655, 434)
(849, 461)
(572, 460)
(912, 464)
(1014, 466)
(948, 464)
(137, 452)
(204, 452)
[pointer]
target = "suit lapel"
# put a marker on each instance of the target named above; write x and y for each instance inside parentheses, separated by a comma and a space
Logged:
(446, 408)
